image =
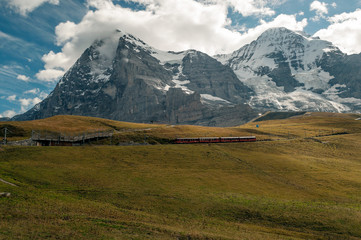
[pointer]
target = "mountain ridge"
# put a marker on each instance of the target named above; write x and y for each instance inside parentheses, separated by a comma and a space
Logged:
(143, 84)
(123, 78)
(287, 69)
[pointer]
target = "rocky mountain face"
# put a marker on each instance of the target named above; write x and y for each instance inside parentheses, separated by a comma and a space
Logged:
(291, 71)
(123, 78)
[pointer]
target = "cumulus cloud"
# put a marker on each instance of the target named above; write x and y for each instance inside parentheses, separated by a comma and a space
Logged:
(282, 20)
(32, 91)
(320, 8)
(23, 78)
(51, 75)
(247, 7)
(36, 91)
(8, 114)
(24, 102)
(27, 103)
(344, 31)
(11, 98)
(164, 24)
(26, 6)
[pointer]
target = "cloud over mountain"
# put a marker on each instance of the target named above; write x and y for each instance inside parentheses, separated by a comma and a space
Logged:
(167, 25)
(344, 31)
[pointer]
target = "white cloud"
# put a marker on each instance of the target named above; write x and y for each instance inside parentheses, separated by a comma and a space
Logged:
(32, 91)
(23, 78)
(11, 98)
(10, 70)
(43, 95)
(51, 75)
(320, 8)
(246, 7)
(8, 114)
(26, 6)
(344, 31)
(27, 103)
(164, 24)
(282, 20)
(334, 5)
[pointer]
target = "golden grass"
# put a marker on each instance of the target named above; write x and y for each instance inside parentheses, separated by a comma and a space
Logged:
(305, 126)
(301, 188)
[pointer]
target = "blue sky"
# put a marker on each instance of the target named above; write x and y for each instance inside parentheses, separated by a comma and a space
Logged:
(41, 39)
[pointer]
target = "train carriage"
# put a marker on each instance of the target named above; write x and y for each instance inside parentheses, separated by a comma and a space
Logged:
(215, 140)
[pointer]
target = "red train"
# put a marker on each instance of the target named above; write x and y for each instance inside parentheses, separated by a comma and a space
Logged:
(216, 139)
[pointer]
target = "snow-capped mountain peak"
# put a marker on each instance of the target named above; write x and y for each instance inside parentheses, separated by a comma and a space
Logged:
(281, 65)
(122, 77)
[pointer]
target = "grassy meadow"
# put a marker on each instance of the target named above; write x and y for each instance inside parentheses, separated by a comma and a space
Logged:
(305, 184)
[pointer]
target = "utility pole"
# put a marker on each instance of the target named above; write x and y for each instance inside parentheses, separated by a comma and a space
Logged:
(5, 133)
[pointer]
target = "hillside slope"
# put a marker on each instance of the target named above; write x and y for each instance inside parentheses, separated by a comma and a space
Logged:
(302, 188)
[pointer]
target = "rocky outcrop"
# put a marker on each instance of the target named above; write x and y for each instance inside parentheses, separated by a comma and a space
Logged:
(208, 76)
(132, 84)
(346, 72)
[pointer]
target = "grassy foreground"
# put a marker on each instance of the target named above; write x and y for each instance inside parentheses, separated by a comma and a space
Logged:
(292, 188)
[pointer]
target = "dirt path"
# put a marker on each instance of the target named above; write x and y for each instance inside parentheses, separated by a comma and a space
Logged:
(11, 184)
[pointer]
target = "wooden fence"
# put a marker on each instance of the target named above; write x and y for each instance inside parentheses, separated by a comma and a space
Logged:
(47, 138)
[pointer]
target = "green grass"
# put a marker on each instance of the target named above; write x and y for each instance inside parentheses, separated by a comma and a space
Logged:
(287, 189)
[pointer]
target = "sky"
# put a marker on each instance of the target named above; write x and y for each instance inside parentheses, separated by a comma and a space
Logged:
(41, 39)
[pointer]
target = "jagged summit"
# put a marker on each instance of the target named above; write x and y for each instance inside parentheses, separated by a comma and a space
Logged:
(284, 68)
(276, 33)
(123, 78)
(295, 47)
(281, 33)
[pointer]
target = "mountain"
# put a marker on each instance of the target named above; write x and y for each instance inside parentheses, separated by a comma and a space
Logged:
(123, 78)
(292, 71)
(4, 119)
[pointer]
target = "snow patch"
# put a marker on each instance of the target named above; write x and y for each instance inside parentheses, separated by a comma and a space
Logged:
(163, 56)
(210, 99)
(166, 88)
(168, 57)
(180, 83)
(314, 79)
(333, 94)
(269, 95)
